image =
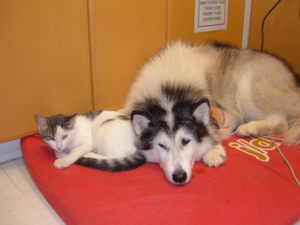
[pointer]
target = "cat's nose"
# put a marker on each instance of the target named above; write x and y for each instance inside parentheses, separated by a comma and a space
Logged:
(59, 147)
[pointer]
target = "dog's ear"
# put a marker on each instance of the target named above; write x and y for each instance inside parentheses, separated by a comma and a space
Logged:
(201, 111)
(140, 120)
(41, 121)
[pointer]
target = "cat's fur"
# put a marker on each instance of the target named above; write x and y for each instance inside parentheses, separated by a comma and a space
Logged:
(98, 139)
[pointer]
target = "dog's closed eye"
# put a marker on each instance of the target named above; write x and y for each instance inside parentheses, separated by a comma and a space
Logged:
(162, 146)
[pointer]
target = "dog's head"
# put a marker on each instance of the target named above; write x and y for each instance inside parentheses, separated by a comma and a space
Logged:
(175, 139)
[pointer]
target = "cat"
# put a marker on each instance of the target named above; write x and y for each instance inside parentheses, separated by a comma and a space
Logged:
(97, 139)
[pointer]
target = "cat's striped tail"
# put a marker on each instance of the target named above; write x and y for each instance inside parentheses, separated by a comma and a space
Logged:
(112, 164)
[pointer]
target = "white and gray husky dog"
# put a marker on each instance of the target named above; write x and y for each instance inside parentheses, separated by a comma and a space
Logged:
(98, 139)
(169, 106)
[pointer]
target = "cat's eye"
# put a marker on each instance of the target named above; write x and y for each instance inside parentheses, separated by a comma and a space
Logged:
(162, 146)
(48, 138)
(185, 141)
(64, 137)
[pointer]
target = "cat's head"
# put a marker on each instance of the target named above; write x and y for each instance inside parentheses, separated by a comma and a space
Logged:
(56, 131)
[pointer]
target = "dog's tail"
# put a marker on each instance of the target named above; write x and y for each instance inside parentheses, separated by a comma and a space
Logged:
(292, 135)
(112, 164)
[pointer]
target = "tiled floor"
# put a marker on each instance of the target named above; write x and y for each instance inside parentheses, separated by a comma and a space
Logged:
(20, 200)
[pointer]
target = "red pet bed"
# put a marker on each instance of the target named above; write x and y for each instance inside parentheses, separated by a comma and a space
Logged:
(254, 187)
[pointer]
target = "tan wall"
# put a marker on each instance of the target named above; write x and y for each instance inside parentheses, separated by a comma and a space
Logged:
(282, 29)
(181, 23)
(44, 64)
(52, 61)
(125, 34)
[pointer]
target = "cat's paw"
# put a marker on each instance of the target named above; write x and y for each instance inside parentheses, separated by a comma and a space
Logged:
(61, 163)
(215, 157)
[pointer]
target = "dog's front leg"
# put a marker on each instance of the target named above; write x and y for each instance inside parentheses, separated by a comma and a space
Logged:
(215, 157)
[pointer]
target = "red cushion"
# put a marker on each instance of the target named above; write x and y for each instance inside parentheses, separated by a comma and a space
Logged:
(243, 191)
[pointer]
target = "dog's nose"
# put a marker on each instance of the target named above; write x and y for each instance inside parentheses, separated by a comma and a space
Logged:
(179, 176)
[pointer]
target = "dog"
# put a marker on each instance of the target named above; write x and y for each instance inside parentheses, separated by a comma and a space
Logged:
(170, 99)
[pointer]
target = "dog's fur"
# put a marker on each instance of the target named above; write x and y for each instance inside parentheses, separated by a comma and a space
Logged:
(258, 90)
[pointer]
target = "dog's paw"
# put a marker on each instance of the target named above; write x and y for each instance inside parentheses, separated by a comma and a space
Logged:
(61, 163)
(248, 130)
(215, 157)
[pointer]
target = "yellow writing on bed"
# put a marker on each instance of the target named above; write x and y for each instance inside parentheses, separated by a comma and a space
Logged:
(257, 148)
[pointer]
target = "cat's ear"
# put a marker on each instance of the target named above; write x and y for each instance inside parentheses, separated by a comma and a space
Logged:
(70, 121)
(141, 121)
(42, 122)
(201, 111)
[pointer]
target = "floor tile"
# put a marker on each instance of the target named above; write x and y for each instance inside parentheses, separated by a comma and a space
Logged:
(43, 207)
(18, 210)
(7, 188)
(19, 174)
(17, 191)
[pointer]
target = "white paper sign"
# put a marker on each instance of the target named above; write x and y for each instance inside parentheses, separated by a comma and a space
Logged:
(210, 15)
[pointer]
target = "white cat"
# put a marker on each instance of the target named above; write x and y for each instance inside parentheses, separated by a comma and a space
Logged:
(98, 139)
